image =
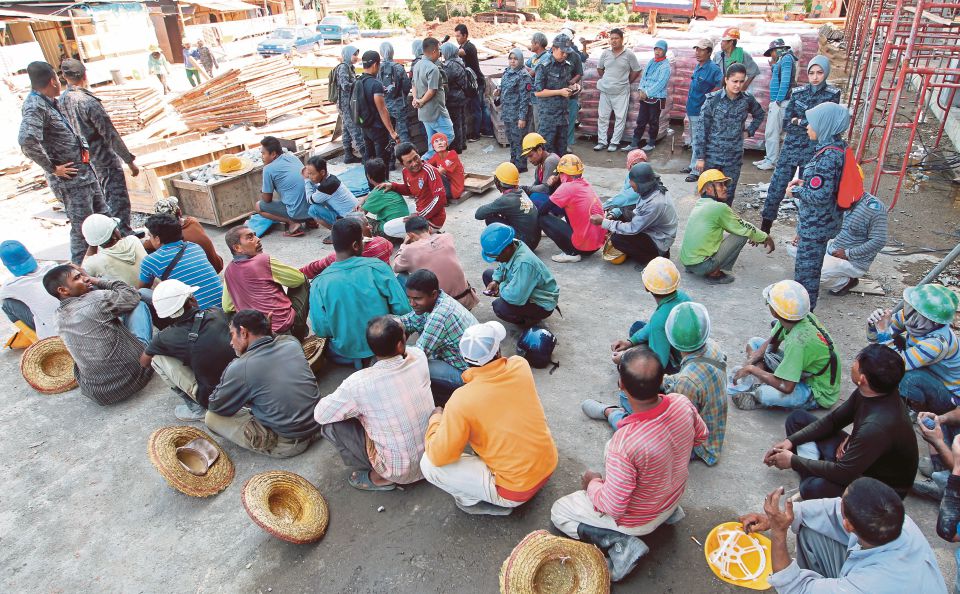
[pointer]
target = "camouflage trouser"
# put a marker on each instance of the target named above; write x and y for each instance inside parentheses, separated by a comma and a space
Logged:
(515, 136)
(114, 188)
(810, 253)
(79, 203)
(791, 158)
(352, 135)
(552, 125)
(732, 170)
(398, 114)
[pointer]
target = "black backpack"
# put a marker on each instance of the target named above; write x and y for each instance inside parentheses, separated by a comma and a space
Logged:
(394, 80)
(333, 89)
(472, 87)
(359, 106)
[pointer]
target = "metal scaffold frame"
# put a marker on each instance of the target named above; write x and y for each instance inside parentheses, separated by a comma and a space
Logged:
(901, 55)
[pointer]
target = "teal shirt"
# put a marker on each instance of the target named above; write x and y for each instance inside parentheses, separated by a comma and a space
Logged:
(655, 332)
(349, 294)
(526, 279)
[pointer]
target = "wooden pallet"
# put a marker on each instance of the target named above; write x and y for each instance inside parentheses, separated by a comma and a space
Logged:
(474, 184)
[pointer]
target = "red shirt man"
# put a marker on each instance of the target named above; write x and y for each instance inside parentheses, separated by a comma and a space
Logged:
(422, 181)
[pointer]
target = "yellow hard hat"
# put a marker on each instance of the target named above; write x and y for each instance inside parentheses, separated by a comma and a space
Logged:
(508, 174)
(709, 176)
(661, 277)
(612, 254)
(738, 558)
(789, 299)
(532, 141)
(570, 164)
(234, 164)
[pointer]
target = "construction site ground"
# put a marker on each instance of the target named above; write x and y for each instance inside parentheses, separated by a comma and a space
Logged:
(84, 510)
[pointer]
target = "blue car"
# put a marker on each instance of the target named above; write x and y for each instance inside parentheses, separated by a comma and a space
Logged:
(338, 28)
(288, 39)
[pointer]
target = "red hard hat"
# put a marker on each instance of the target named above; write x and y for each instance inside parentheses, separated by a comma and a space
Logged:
(731, 33)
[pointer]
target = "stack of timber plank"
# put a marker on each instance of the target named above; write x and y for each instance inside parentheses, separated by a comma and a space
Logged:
(131, 108)
(252, 94)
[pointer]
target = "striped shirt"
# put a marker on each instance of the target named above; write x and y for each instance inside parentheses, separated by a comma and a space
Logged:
(647, 462)
(937, 351)
(393, 402)
(106, 354)
(441, 329)
(193, 269)
(704, 383)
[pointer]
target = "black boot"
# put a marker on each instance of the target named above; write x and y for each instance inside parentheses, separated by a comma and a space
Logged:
(622, 551)
(766, 225)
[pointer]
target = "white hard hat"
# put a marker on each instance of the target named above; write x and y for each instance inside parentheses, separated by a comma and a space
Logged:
(481, 342)
(169, 297)
(97, 229)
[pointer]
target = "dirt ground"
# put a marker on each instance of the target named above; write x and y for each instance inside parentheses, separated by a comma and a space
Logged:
(84, 510)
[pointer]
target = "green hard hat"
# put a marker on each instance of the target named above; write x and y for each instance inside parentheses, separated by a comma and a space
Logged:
(688, 327)
(934, 302)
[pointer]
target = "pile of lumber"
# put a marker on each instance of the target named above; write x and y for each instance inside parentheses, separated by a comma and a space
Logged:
(318, 92)
(131, 108)
(252, 94)
(309, 128)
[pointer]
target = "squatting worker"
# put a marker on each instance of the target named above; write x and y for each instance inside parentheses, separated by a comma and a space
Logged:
(49, 140)
(524, 287)
(88, 117)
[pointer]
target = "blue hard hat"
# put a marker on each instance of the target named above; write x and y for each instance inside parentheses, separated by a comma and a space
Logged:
(17, 258)
(536, 346)
(494, 239)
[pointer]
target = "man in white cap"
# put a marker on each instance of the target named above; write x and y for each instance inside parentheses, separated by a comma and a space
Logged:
(191, 353)
(110, 255)
(498, 414)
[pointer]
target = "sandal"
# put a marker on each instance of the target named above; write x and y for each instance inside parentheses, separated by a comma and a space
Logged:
(361, 480)
(298, 233)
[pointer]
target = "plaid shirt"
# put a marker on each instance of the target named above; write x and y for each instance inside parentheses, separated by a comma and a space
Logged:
(441, 329)
(393, 402)
(705, 385)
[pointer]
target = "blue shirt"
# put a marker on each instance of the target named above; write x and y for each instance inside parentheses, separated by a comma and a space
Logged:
(781, 77)
(332, 192)
(193, 270)
(705, 78)
(283, 176)
(655, 78)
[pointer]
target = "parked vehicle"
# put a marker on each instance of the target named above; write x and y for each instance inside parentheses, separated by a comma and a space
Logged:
(677, 10)
(288, 39)
(337, 28)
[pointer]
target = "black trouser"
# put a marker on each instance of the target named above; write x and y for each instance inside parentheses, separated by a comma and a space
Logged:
(639, 247)
(375, 141)
(350, 439)
(447, 188)
(648, 116)
(18, 311)
(458, 117)
(532, 242)
(560, 231)
(814, 487)
(527, 314)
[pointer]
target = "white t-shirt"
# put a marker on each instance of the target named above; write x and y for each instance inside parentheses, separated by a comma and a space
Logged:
(29, 289)
(616, 73)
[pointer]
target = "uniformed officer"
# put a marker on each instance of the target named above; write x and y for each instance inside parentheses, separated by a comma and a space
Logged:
(396, 85)
(88, 117)
(516, 89)
(47, 138)
(346, 78)
(798, 149)
(719, 137)
(552, 87)
(820, 218)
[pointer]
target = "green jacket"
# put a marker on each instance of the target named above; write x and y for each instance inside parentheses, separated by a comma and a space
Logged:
(526, 279)
(654, 332)
(705, 227)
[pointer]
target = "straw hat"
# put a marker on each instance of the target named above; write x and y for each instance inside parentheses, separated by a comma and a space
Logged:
(287, 506)
(234, 165)
(543, 562)
(48, 367)
(162, 449)
(313, 347)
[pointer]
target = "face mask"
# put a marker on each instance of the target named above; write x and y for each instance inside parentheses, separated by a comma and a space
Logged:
(917, 325)
(566, 177)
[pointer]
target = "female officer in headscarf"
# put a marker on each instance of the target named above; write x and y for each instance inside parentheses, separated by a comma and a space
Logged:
(346, 77)
(798, 149)
(456, 72)
(513, 96)
(816, 193)
(396, 85)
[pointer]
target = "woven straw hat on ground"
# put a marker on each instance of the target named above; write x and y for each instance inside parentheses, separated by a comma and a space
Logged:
(287, 506)
(162, 449)
(543, 562)
(48, 367)
(313, 347)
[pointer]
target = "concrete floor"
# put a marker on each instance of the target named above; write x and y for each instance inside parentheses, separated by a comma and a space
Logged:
(84, 510)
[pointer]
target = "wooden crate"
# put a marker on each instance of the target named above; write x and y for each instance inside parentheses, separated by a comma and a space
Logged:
(474, 184)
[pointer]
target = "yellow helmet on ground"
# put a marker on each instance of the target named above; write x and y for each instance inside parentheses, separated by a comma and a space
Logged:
(612, 254)
(532, 141)
(570, 164)
(710, 176)
(508, 174)
(661, 277)
(789, 299)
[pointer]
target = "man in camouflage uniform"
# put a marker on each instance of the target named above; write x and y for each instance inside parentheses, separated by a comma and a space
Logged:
(820, 218)
(719, 137)
(552, 88)
(47, 138)
(346, 78)
(396, 85)
(88, 117)
(798, 149)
